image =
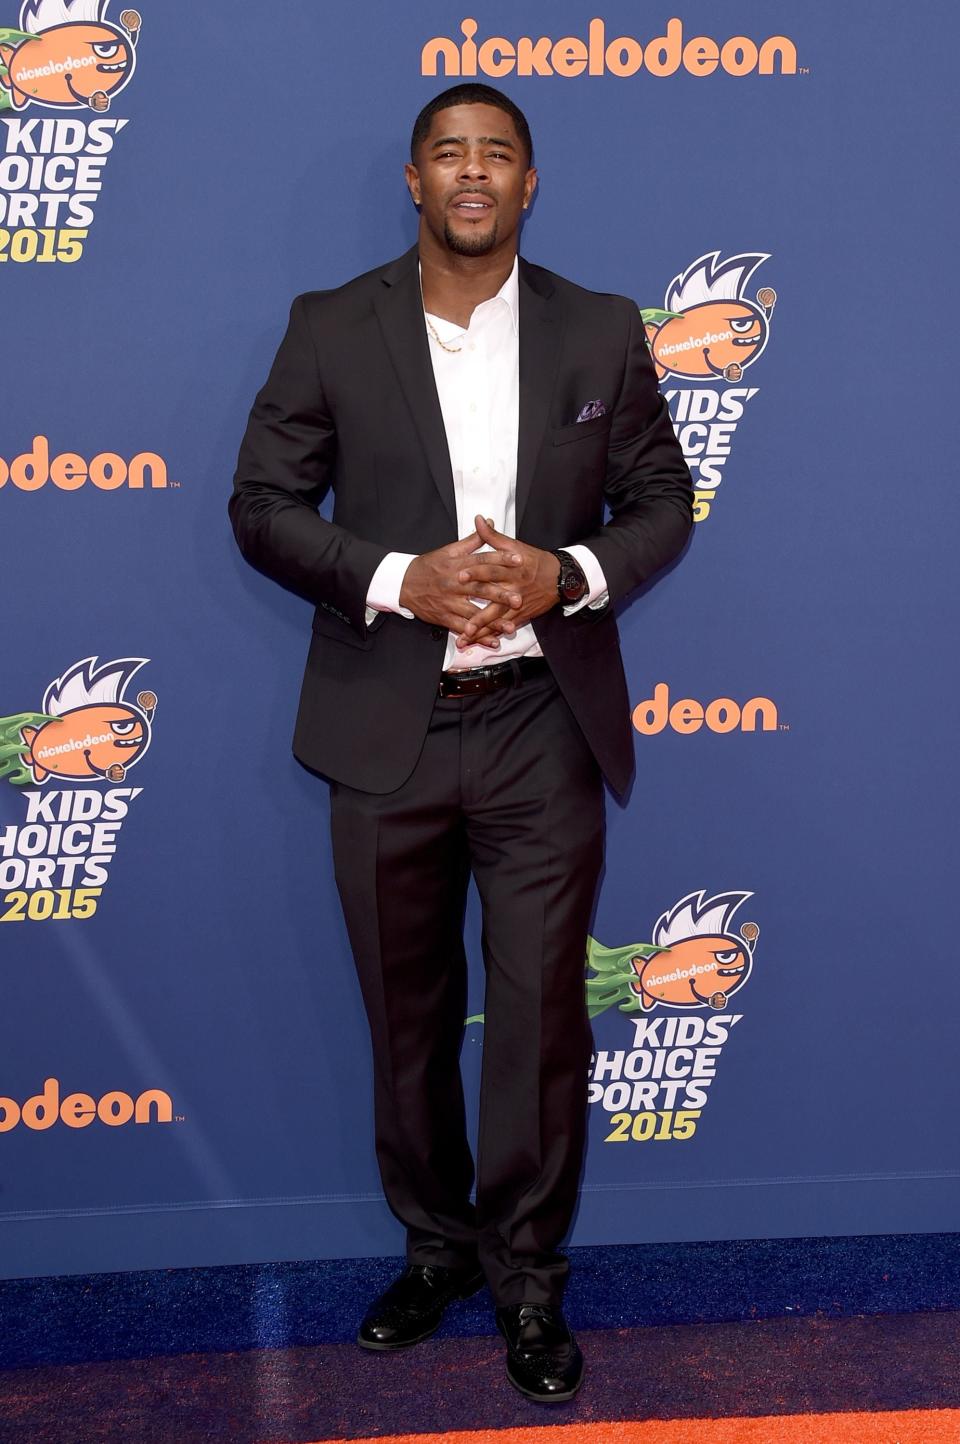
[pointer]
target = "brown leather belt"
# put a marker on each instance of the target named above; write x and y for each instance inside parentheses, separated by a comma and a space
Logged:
(480, 680)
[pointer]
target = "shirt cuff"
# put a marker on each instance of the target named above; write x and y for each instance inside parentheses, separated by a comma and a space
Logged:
(383, 593)
(597, 595)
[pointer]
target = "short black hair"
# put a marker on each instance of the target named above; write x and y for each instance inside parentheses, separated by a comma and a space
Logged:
(470, 93)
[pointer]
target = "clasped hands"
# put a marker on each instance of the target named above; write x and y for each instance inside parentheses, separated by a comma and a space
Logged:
(517, 582)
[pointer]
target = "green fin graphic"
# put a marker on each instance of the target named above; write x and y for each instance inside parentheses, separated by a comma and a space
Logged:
(652, 316)
(13, 750)
(613, 976)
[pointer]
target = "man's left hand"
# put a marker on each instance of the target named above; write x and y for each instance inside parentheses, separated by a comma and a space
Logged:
(534, 581)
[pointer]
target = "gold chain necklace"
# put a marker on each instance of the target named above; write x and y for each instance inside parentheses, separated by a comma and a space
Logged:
(454, 350)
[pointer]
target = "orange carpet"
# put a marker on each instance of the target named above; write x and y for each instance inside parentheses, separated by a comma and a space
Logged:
(910, 1426)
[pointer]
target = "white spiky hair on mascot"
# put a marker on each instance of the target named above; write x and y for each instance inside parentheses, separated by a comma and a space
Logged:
(39, 15)
(697, 915)
(84, 684)
(710, 279)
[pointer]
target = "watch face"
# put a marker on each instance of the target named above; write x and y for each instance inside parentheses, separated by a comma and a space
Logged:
(573, 584)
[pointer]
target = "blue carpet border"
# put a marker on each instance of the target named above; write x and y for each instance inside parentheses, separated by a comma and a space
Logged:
(99, 1317)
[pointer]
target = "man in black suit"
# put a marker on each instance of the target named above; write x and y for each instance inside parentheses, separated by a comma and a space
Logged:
(464, 692)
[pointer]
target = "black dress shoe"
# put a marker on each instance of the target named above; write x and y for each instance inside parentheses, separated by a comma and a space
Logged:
(543, 1358)
(414, 1304)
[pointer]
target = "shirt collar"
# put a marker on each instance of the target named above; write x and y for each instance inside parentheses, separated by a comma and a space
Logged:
(509, 292)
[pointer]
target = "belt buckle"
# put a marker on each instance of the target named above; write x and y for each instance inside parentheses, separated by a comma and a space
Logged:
(472, 683)
(451, 688)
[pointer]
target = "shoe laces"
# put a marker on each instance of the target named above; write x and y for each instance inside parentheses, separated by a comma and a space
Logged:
(430, 1273)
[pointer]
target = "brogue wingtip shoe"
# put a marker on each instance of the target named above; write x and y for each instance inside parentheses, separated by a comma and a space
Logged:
(412, 1308)
(544, 1361)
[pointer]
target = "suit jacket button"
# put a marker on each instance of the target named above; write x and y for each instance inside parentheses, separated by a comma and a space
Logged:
(437, 633)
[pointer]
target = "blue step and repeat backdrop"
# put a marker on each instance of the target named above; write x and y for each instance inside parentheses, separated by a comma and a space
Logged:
(185, 1069)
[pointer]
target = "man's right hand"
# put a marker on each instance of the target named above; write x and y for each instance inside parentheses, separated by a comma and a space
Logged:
(433, 592)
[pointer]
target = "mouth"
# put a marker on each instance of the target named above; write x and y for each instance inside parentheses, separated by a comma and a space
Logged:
(126, 742)
(472, 206)
(113, 69)
(97, 771)
(744, 340)
(730, 972)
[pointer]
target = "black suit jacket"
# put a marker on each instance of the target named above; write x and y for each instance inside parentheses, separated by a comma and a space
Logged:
(351, 403)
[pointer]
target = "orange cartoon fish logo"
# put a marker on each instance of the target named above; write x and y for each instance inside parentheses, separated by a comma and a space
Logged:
(85, 731)
(695, 960)
(709, 330)
(704, 961)
(67, 55)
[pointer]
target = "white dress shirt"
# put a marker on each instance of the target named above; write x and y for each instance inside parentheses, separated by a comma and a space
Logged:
(479, 389)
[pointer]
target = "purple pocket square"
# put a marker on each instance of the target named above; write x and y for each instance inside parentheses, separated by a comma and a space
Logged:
(591, 411)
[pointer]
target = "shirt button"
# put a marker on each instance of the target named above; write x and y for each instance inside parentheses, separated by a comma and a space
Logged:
(437, 633)
(473, 406)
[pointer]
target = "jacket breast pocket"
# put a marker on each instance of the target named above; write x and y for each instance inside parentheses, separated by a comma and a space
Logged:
(582, 430)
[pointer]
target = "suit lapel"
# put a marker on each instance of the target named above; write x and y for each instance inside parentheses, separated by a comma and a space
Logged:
(541, 332)
(399, 309)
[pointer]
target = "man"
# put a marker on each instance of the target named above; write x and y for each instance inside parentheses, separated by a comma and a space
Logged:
(464, 690)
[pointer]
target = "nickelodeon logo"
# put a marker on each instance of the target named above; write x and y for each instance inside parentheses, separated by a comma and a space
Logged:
(624, 56)
(69, 471)
(687, 715)
(78, 1110)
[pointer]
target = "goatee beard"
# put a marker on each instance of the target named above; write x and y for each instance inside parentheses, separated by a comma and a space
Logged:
(470, 245)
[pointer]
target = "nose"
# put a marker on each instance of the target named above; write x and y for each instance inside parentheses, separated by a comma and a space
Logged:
(473, 168)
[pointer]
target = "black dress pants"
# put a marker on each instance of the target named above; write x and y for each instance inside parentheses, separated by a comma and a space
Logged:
(505, 788)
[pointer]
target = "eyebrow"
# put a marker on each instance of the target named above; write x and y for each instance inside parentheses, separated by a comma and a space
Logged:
(481, 140)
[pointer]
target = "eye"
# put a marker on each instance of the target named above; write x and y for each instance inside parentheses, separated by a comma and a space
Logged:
(122, 729)
(107, 50)
(725, 959)
(743, 323)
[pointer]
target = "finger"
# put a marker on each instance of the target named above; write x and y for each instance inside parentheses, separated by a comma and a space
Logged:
(493, 635)
(492, 592)
(484, 618)
(488, 641)
(457, 625)
(464, 547)
(506, 625)
(491, 566)
(502, 627)
(462, 609)
(488, 534)
(453, 614)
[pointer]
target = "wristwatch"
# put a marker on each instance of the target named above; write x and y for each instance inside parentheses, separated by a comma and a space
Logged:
(572, 584)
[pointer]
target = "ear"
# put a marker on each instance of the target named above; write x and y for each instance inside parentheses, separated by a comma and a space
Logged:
(412, 177)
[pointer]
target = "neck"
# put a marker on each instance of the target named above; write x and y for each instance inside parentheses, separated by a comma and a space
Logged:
(453, 285)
